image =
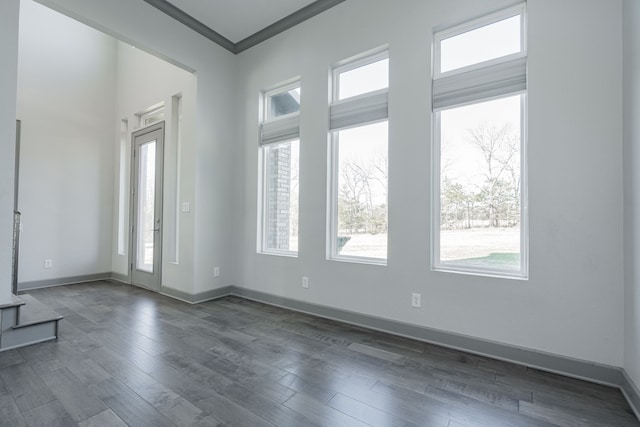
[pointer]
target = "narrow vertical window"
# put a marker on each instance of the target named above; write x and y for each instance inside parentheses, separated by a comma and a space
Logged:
(123, 187)
(279, 164)
(173, 150)
(358, 163)
(479, 104)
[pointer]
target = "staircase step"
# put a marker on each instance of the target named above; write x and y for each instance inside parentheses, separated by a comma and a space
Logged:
(9, 313)
(16, 301)
(34, 312)
(27, 321)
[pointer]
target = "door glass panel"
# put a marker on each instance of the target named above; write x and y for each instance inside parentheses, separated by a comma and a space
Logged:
(146, 206)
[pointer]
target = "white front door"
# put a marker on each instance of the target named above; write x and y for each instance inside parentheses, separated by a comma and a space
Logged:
(146, 197)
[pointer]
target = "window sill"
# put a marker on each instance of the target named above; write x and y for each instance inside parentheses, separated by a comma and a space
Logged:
(287, 254)
(499, 274)
(359, 260)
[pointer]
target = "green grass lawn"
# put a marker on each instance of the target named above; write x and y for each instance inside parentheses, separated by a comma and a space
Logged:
(503, 261)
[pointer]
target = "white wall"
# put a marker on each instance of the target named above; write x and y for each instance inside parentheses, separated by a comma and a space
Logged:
(66, 98)
(631, 13)
(8, 72)
(145, 27)
(572, 305)
(143, 81)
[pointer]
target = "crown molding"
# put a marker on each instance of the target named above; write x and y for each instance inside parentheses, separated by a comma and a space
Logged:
(266, 33)
(191, 22)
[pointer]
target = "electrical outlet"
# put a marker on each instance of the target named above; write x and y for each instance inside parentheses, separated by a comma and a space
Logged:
(415, 300)
(48, 263)
(305, 282)
(216, 271)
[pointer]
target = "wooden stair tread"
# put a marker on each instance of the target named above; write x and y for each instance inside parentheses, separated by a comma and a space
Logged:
(34, 312)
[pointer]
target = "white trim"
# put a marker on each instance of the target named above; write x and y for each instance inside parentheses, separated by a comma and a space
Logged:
(360, 260)
(279, 252)
(524, 187)
(262, 212)
(436, 263)
(332, 207)
(435, 189)
(360, 60)
(146, 113)
(482, 82)
(479, 271)
(474, 24)
(260, 228)
(284, 87)
(363, 59)
(355, 111)
(159, 207)
(273, 131)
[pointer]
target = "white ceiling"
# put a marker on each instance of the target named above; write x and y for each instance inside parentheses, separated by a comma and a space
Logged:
(238, 19)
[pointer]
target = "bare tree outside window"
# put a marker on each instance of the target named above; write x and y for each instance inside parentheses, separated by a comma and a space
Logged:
(359, 144)
(480, 192)
(363, 191)
(479, 105)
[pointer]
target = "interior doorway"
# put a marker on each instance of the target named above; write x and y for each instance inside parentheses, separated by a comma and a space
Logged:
(75, 164)
(146, 206)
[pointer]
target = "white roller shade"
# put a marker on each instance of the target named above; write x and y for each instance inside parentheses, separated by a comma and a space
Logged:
(281, 129)
(360, 110)
(483, 83)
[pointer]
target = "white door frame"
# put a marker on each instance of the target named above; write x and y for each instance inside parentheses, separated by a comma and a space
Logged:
(147, 279)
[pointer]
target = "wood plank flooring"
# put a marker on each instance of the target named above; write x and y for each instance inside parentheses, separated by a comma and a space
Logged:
(126, 356)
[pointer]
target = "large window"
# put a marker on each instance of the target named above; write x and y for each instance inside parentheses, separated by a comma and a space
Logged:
(279, 165)
(479, 103)
(359, 160)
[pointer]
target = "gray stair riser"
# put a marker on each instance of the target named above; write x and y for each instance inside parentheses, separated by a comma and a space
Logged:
(8, 317)
(32, 334)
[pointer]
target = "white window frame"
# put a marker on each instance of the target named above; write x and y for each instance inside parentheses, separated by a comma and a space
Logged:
(332, 158)
(361, 60)
(474, 24)
(150, 112)
(285, 87)
(461, 74)
(287, 125)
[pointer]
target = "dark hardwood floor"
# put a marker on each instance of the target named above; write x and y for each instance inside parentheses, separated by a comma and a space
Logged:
(126, 356)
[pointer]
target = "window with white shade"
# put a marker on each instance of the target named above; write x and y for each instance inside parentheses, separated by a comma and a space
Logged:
(479, 150)
(358, 163)
(279, 170)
